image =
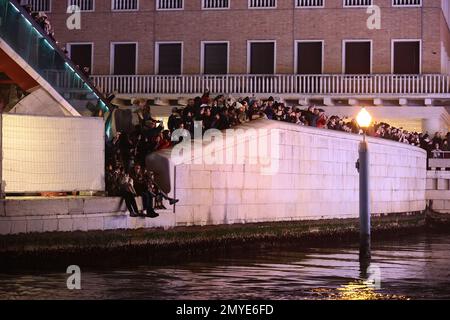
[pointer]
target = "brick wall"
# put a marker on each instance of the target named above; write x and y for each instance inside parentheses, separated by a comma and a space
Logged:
(285, 24)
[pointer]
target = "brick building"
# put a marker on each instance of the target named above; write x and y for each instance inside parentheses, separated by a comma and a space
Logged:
(306, 50)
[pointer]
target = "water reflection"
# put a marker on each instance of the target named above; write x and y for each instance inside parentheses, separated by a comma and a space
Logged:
(407, 268)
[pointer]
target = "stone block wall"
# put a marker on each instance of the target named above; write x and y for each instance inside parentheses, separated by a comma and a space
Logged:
(438, 190)
(312, 176)
(316, 179)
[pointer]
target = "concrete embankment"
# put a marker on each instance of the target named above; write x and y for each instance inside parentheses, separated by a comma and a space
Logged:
(268, 171)
(156, 246)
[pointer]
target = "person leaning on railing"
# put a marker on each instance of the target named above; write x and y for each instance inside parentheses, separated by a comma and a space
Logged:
(437, 152)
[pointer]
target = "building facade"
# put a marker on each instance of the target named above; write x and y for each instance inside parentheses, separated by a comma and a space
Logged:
(331, 50)
(255, 36)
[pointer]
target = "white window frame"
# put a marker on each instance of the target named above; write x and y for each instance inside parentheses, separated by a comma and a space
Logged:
(262, 8)
(50, 4)
(309, 7)
(124, 10)
(357, 40)
(157, 44)
(249, 47)
(93, 6)
(112, 55)
(363, 6)
(407, 6)
(174, 9)
(393, 41)
(296, 42)
(224, 8)
(69, 50)
(202, 54)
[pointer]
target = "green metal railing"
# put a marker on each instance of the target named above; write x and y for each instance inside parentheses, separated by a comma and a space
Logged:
(19, 30)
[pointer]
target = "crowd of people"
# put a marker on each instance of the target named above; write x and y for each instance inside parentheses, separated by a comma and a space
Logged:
(126, 174)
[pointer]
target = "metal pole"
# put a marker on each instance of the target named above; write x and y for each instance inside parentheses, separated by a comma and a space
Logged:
(364, 199)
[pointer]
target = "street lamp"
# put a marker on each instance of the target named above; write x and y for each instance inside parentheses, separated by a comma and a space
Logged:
(364, 120)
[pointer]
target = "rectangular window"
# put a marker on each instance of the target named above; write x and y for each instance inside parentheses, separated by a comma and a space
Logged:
(406, 3)
(215, 57)
(169, 4)
(84, 5)
(358, 57)
(39, 5)
(309, 57)
(216, 4)
(262, 4)
(125, 5)
(81, 55)
(406, 57)
(124, 56)
(169, 58)
(309, 3)
(261, 57)
(358, 3)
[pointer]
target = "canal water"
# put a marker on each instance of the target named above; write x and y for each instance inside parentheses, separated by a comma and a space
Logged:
(409, 267)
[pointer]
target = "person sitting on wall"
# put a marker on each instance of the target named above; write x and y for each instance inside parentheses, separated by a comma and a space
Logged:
(157, 193)
(110, 181)
(129, 193)
(141, 187)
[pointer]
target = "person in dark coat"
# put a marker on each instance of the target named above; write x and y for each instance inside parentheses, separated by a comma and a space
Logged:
(174, 120)
(141, 187)
(129, 193)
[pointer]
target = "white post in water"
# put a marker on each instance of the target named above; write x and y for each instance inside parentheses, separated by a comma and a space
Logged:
(364, 120)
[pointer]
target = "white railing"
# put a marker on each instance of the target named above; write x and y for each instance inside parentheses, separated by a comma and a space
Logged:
(169, 4)
(369, 85)
(357, 3)
(407, 3)
(84, 5)
(215, 4)
(309, 3)
(39, 5)
(258, 4)
(439, 154)
(125, 5)
(442, 162)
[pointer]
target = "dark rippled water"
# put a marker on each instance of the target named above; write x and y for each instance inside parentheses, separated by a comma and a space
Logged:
(413, 267)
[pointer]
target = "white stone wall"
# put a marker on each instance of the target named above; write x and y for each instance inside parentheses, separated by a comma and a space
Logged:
(438, 190)
(33, 214)
(317, 179)
(52, 153)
